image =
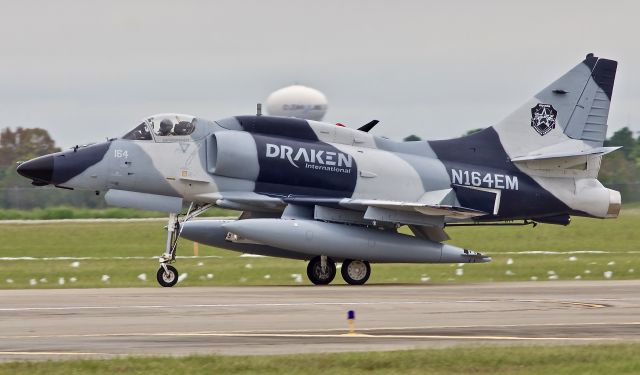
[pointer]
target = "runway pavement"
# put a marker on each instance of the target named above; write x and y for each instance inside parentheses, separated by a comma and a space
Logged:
(39, 324)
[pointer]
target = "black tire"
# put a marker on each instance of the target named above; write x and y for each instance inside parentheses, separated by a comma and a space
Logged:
(355, 272)
(315, 274)
(169, 278)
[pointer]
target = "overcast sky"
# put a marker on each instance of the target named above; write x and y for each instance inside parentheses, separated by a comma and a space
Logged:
(86, 70)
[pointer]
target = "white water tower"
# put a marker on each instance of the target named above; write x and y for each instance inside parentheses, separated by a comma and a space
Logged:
(297, 101)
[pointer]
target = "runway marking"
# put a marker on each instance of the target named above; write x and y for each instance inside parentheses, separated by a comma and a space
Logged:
(503, 325)
(368, 336)
(224, 305)
(293, 304)
(583, 304)
(309, 332)
(443, 327)
(321, 335)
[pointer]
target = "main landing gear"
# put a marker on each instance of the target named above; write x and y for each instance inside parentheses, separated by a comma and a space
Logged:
(355, 272)
(321, 270)
(168, 275)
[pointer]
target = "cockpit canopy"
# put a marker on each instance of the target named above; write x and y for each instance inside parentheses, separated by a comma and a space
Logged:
(163, 125)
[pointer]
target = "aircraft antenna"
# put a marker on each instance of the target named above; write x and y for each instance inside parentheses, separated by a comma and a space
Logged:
(259, 109)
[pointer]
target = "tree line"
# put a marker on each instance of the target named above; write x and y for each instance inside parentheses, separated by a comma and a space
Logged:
(16, 192)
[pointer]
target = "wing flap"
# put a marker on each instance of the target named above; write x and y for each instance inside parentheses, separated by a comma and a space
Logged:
(450, 211)
(429, 205)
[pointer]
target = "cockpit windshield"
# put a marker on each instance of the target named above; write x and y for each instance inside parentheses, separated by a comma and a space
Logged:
(163, 125)
(139, 133)
(172, 124)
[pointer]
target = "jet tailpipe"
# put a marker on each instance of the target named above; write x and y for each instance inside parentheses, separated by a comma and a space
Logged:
(615, 202)
(349, 242)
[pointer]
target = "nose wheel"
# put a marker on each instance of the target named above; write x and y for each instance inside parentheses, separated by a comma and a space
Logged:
(167, 276)
(321, 270)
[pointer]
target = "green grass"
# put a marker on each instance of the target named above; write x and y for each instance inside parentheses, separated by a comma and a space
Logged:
(523, 360)
(63, 212)
(510, 248)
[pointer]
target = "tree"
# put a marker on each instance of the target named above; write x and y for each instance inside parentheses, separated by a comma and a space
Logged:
(412, 138)
(635, 154)
(624, 138)
(17, 191)
(619, 173)
(24, 143)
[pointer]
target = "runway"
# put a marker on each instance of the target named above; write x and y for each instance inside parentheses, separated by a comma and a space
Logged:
(103, 323)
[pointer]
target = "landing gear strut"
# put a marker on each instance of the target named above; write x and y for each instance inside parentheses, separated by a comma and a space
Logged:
(167, 274)
(321, 270)
(173, 231)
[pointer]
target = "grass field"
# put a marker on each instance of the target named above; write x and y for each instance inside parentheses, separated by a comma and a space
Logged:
(63, 212)
(122, 254)
(558, 360)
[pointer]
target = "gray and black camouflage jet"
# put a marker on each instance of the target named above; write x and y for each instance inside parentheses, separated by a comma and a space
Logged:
(325, 193)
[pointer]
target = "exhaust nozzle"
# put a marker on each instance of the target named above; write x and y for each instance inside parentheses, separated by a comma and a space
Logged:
(615, 203)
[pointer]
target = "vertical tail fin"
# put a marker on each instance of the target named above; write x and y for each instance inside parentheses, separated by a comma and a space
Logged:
(570, 113)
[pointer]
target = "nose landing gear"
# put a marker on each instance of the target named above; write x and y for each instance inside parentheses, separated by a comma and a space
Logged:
(168, 275)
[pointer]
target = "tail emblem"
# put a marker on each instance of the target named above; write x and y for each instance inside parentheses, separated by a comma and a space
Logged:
(543, 118)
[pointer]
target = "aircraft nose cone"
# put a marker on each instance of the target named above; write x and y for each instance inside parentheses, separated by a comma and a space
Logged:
(40, 170)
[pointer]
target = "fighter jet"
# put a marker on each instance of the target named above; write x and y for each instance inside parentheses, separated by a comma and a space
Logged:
(323, 193)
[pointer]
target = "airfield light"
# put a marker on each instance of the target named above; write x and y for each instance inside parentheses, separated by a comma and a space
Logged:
(351, 318)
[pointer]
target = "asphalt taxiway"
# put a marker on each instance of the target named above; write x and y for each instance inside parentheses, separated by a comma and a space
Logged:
(45, 323)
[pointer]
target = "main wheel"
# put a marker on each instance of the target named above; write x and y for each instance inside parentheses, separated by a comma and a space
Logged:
(319, 276)
(167, 278)
(355, 272)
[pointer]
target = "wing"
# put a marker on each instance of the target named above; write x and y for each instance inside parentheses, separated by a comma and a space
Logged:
(433, 204)
(425, 217)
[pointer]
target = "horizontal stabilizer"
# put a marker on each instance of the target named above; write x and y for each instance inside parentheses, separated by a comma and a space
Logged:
(567, 154)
